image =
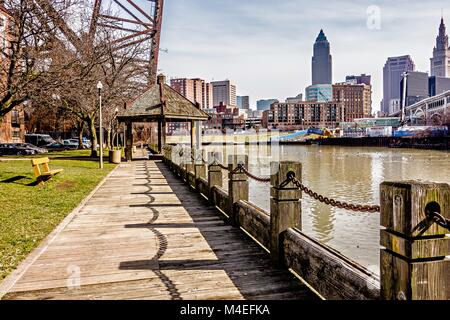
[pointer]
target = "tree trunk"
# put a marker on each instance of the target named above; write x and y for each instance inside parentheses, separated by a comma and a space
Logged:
(80, 127)
(108, 138)
(91, 125)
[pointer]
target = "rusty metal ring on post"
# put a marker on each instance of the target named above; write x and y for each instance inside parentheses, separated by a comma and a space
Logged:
(439, 219)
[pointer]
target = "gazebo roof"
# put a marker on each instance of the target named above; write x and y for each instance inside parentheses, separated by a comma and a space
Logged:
(162, 102)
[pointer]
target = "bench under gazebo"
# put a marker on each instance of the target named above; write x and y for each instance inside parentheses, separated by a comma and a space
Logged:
(161, 104)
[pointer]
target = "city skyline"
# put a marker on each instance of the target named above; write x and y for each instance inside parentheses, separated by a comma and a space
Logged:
(269, 55)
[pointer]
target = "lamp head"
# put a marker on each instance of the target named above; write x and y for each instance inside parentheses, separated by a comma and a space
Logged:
(99, 85)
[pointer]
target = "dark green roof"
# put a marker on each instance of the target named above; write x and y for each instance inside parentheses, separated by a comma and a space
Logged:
(162, 102)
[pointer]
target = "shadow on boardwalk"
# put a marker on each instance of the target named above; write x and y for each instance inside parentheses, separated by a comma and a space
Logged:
(145, 235)
(245, 263)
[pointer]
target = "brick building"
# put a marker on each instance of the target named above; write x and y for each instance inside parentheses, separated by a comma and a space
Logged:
(297, 116)
(356, 100)
(12, 128)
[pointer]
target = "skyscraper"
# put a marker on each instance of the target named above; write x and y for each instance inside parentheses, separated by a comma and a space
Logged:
(224, 92)
(440, 63)
(392, 75)
(321, 61)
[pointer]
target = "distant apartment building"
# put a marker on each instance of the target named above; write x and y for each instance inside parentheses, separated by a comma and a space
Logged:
(296, 116)
(224, 92)
(297, 99)
(243, 102)
(416, 87)
(355, 99)
(319, 93)
(392, 75)
(225, 117)
(361, 79)
(12, 127)
(263, 105)
(196, 90)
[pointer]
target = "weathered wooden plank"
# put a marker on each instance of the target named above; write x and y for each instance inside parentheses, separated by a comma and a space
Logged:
(331, 274)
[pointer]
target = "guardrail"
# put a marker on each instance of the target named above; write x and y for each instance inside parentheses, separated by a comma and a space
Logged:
(413, 215)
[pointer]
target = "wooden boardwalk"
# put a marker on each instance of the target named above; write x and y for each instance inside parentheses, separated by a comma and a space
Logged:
(145, 235)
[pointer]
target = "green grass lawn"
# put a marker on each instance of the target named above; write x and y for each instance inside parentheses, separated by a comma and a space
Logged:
(29, 213)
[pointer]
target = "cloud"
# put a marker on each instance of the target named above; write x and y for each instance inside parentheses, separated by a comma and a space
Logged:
(265, 46)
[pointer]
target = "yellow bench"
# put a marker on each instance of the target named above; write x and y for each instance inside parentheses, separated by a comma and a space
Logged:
(46, 173)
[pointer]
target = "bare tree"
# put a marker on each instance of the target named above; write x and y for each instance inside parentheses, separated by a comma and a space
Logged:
(24, 60)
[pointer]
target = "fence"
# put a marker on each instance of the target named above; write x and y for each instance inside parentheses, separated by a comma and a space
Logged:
(413, 217)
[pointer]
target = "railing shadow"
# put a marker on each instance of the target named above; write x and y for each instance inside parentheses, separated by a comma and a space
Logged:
(245, 263)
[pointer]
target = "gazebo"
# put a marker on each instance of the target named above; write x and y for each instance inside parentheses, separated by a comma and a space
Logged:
(162, 104)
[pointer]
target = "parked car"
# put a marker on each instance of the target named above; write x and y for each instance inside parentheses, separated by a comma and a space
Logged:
(32, 147)
(57, 146)
(86, 143)
(39, 140)
(13, 149)
(70, 145)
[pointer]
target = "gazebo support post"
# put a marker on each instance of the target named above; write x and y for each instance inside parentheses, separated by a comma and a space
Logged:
(193, 134)
(129, 141)
(161, 134)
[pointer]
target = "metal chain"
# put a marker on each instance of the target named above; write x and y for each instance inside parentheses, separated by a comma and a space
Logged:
(332, 202)
(439, 219)
(242, 168)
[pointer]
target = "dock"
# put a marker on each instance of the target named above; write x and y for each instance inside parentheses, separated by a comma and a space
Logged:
(144, 234)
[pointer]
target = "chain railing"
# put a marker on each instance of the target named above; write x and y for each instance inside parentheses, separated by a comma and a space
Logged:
(434, 216)
(244, 170)
(332, 202)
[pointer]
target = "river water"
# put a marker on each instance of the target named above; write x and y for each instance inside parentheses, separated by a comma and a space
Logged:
(351, 174)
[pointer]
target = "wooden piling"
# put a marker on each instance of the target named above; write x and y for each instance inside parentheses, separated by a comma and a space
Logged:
(285, 206)
(413, 264)
(237, 184)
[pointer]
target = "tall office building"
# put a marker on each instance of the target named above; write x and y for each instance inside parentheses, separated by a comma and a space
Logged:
(438, 85)
(440, 63)
(243, 102)
(321, 61)
(416, 87)
(224, 92)
(392, 75)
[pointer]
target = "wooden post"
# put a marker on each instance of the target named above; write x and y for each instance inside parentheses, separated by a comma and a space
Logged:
(199, 166)
(237, 185)
(285, 206)
(214, 174)
(413, 264)
(129, 141)
(188, 160)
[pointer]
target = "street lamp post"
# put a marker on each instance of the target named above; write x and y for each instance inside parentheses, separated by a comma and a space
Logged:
(100, 87)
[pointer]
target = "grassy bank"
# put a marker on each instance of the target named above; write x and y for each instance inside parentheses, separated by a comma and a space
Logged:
(29, 213)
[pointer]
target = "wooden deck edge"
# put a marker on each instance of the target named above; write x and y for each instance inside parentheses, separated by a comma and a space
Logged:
(14, 276)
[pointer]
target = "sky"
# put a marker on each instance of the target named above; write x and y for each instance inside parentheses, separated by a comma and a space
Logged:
(265, 46)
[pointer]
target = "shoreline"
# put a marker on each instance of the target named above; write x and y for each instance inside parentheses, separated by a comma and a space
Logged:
(429, 143)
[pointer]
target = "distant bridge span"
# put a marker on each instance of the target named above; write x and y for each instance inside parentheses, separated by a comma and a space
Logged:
(431, 111)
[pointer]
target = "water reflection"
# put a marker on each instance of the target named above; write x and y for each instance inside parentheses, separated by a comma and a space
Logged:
(346, 174)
